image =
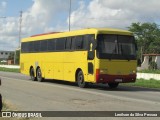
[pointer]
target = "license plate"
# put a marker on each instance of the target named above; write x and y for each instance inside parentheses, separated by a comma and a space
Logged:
(118, 80)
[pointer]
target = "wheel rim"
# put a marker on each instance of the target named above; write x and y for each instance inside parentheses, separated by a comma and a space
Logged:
(39, 75)
(80, 79)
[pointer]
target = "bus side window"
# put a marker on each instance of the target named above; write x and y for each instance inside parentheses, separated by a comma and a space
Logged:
(79, 43)
(27, 47)
(43, 45)
(51, 44)
(31, 47)
(68, 43)
(23, 47)
(36, 46)
(60, 44)
(85, 42)
(73, 43)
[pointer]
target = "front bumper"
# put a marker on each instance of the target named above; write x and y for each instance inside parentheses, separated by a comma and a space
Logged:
(105, 78)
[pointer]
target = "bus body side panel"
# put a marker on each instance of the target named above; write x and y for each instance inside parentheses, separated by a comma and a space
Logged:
(73, 61)
(29, 60)
(52, 65)
(48, 68)
(24, 64)
(69, 66)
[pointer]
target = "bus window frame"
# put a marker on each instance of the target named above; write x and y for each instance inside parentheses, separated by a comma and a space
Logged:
(29, 47)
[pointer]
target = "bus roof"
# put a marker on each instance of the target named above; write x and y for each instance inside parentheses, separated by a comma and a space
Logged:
(44, 34)
(77, 32)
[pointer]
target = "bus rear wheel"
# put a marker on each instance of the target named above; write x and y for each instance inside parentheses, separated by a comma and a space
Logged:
(80, 80)
(33, 78)
(39, 75)
(113, 85)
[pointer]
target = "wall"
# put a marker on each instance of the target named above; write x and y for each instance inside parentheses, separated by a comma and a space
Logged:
(157, 60)
(5, 54)
(148, 76)
(10, 66)
(145, 63)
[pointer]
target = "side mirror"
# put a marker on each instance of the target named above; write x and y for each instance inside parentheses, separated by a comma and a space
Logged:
(91, 49)
(92, 45)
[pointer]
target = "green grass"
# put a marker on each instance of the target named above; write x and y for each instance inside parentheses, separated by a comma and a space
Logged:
(145, 83)
(9, 69)
(150, 71)
(5, 107)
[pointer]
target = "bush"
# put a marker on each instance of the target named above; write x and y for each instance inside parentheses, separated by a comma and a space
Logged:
(153, 66)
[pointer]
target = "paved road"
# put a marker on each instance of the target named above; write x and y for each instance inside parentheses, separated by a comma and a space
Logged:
(25, 95)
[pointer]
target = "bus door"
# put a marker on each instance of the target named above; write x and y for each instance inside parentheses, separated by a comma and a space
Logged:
(91, 58)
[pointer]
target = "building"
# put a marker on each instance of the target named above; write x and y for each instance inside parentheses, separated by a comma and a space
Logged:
(5, 54)
(150, 58)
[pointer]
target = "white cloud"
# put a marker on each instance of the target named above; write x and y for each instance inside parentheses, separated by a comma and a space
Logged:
(115, 13)
(3, 5)
(35, 20)
(40, 17)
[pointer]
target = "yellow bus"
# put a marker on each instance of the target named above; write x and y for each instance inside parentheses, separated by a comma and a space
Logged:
(92, 55)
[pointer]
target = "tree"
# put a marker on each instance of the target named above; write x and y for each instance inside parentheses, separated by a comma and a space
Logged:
(147, 37)
(17, 59)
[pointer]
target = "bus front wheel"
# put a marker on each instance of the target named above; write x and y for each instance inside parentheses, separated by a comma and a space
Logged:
(39, 75)
(33, 78)
(80, 80)
(113, 85)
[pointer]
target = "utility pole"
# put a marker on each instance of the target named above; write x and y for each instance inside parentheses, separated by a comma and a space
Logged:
(20, 27)
(19, 41)
(70, 4)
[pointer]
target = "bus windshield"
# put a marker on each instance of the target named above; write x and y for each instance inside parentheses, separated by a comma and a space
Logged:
(116, 47)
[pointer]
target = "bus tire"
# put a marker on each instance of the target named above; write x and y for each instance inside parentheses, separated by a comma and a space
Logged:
(80, 80)
(113, 85)
(39, 75)
(32, 74)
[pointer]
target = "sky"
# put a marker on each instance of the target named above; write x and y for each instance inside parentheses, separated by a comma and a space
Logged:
(41, 16)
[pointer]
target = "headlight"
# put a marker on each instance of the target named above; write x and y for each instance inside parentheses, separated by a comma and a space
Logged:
(132, 71)
(102, 71)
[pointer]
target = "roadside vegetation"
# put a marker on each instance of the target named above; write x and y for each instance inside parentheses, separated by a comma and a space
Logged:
(150, 71)
(145, 83)
(9, 69)
(5, 107)
(147, 38)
